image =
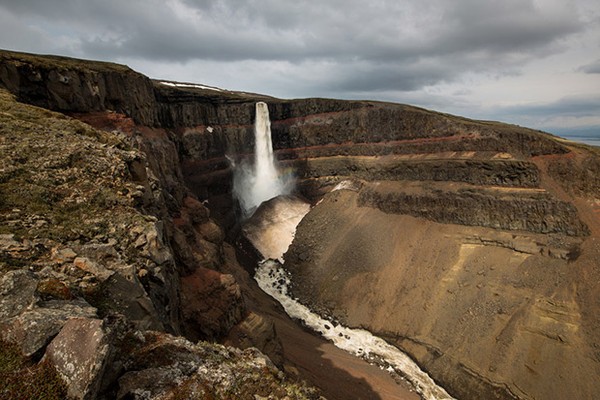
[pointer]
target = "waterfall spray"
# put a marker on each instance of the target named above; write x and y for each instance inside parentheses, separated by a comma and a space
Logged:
(252, 185)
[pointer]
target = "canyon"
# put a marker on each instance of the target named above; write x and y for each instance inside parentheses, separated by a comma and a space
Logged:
(473, 246)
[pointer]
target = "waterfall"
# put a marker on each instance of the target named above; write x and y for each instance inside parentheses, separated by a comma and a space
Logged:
(255, 184)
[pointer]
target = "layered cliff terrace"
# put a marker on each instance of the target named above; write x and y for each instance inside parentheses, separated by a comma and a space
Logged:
(323, 141)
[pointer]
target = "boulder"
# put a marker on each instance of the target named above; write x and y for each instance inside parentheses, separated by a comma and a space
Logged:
(154, 247)
(52, 288)
(148, 383)
(126, 295)
(197, 212)
(92, 267)
(162, 366)
(257, 331)
(211, 232)
(81, 353)
(17, 293)
(34, 329)
(63, 255)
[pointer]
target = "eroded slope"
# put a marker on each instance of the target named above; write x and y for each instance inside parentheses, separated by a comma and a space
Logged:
(492, 313)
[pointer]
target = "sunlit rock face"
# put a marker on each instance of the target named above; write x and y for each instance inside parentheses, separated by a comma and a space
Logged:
(481, 294)
(272, 227)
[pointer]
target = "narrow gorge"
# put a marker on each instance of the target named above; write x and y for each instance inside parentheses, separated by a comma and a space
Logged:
(472, 246)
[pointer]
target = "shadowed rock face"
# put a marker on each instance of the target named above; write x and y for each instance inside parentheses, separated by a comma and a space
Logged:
(472, 245)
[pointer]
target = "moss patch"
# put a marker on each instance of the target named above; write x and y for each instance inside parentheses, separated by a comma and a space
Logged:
(22, 379)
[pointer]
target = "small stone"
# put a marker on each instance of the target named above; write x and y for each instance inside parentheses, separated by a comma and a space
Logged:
(54, 288)
(8, 243)
(62, 256)
(93, 268)
(140, 241)
(40, 223)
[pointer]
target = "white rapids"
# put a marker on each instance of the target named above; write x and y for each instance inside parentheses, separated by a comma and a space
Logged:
(273, 279)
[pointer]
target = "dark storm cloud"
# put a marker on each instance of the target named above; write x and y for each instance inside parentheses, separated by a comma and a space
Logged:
(484, 34)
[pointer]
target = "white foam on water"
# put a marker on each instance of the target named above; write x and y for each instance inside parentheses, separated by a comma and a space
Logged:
(274, 280)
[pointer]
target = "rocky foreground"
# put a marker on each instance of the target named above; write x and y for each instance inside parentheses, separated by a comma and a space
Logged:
(473, 246)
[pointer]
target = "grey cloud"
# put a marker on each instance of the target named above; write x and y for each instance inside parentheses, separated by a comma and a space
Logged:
(573, 106)
(507, 26)
(294, 30)
(367, 78)
(592, 68)
(28, 38)
(367, 47)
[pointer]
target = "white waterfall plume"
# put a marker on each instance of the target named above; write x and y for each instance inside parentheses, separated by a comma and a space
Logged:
(262, 180)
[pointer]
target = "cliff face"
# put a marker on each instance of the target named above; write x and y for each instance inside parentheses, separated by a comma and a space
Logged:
(471, 245)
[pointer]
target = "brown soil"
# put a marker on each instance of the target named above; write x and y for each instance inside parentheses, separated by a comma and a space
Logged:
(490, 313)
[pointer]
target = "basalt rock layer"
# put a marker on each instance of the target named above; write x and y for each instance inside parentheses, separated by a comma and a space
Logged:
(471, 245)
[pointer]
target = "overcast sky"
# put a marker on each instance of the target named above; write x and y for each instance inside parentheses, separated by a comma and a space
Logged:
(531, 62)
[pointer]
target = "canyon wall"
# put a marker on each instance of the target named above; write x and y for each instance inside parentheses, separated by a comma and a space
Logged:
(471, 245)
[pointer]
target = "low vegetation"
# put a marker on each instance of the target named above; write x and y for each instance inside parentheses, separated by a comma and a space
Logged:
(22, 379)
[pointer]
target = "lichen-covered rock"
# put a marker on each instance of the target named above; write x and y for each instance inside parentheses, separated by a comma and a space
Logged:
(17, 293)
(126, 295)
(166, 367)
(89, 266)
(69, 210)
(53, 288)
(33, 329)
(81, 353)
(63, 255)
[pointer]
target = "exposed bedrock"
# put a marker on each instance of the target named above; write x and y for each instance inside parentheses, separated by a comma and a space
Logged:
(428, 167)
(517, 209)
